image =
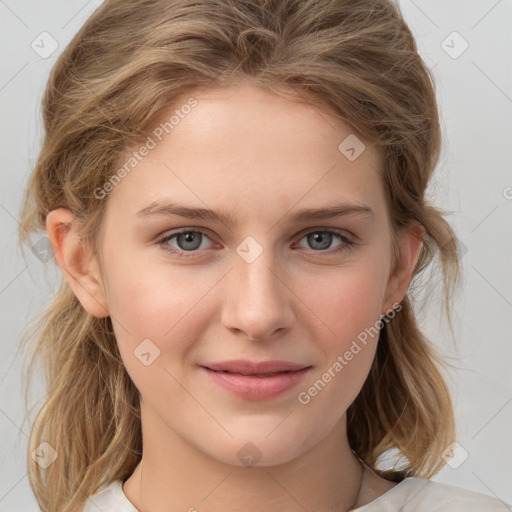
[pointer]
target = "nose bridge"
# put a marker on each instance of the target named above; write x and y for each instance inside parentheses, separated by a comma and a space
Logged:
(258, 278)
(260, 299)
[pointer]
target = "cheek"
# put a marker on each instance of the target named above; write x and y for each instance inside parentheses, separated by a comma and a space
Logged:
(162, 303)
(158, 317)
(346, 307)
(346, 300)
(145, 295)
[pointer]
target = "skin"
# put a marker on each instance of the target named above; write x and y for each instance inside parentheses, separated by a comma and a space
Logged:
(298, 301)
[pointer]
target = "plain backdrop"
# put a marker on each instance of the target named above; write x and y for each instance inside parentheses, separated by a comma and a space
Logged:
(468, 45)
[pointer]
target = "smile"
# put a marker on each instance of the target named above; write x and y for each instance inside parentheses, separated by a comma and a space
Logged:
(256, 387)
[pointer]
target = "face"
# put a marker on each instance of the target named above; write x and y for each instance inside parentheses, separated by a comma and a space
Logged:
(260, 283)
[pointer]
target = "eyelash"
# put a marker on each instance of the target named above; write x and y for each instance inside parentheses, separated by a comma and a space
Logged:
(345, 246)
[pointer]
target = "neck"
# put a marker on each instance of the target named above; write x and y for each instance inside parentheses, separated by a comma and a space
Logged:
(174, 475)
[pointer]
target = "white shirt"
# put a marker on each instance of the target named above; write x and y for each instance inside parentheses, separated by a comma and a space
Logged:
(410, 495)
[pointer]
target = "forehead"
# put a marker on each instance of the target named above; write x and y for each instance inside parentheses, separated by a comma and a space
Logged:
(244, 144)
(252, 114)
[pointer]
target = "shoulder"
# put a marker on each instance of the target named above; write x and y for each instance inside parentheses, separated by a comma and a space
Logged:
(410, 495)
(422, 495)
(109, 498)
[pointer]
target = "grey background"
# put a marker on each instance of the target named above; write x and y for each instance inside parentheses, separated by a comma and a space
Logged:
(473, 182)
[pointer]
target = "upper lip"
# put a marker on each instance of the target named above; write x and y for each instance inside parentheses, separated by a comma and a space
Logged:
(246, 367)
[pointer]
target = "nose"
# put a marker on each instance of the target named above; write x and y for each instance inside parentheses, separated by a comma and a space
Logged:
(260, 299)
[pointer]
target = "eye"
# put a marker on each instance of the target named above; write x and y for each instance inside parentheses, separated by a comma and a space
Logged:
(320, 240)
(191, 241)
(186, 240)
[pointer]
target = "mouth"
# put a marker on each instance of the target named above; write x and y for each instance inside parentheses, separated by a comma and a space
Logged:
(261, 375)
(256, 386)
(254, 368)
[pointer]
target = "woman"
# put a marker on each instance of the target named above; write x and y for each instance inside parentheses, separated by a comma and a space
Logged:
(235, 194)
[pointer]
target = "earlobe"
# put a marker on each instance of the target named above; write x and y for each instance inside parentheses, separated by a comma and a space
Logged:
(409, 241)
(76, 261)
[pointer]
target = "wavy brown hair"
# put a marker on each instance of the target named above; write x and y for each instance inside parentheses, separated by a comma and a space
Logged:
(127, 64)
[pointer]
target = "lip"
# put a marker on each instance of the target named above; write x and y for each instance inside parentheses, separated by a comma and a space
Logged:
(246, 367)
(253, 387)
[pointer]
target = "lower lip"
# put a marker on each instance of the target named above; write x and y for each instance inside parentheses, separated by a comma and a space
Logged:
(256, 388)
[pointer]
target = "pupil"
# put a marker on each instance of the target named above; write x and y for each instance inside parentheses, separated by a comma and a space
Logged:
(187, 238)
(318, 237)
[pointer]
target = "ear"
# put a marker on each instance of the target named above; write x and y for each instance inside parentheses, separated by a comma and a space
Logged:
(410, 240)
(76, 262)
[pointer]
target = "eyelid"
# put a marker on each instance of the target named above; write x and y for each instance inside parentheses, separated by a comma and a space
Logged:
(338, 231)
(165, 237)
(300, 234)
(349, 241)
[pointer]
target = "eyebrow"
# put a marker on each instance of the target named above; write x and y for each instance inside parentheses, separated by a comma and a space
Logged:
(333, 211)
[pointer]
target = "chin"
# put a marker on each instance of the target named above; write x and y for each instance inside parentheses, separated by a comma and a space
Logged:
(256, 451)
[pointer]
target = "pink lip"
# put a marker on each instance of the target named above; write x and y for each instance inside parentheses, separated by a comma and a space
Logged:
(252, 387)
(246, 367)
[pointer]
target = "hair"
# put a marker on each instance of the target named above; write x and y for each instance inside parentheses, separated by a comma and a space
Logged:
(126, 65)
